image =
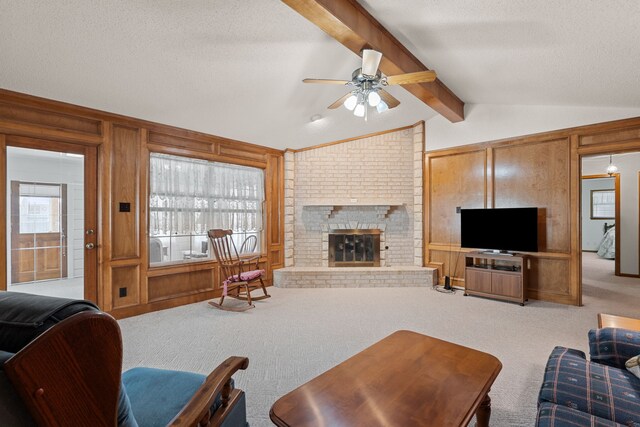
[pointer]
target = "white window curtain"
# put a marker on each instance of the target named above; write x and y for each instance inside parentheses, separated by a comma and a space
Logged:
(190, 196)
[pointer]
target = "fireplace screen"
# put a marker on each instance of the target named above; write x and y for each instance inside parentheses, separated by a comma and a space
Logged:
(354, 248)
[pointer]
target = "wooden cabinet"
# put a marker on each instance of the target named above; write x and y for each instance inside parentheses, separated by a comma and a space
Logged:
(496, 276)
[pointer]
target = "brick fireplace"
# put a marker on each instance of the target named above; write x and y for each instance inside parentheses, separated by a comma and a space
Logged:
(372, 183)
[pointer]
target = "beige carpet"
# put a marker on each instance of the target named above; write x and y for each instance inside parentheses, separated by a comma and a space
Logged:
(300, 333)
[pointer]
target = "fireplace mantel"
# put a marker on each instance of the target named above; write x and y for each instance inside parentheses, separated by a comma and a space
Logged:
(353, 202)
(382, 207)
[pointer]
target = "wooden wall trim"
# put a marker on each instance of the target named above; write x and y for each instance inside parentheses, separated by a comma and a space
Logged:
(35, 116)
(143, 202)
(104, 223)
(610, 126)
(574, 220)
(14, 128)
(202, 155)
(3, 213)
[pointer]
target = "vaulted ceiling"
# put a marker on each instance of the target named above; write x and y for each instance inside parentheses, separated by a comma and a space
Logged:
(234, 68)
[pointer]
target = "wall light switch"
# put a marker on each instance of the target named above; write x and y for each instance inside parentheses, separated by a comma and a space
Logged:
(458, 209)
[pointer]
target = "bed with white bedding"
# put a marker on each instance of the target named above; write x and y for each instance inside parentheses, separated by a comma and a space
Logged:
(607, 247)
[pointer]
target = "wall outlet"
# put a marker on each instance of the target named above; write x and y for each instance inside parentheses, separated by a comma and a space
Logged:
(122, 292)
(354, 200)
(124, 207)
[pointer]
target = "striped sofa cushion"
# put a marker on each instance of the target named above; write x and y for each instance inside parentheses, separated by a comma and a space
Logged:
(613, 346)
(606, 392)
(552, 415)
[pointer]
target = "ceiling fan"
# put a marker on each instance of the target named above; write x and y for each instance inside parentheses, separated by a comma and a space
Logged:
(367, 83)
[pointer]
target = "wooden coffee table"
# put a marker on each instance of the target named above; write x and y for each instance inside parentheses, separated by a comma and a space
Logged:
(406, 379)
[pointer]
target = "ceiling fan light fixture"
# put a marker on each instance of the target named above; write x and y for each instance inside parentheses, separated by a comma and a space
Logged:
(351, 102)
(370, 61)
(382, 107)
(611, 169)
(359, 110)
(374, 99)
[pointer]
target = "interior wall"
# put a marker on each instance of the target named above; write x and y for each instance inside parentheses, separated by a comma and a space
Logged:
(593, 229)
(539, 170)
(627, 231)
(490, 122)
(126, 284)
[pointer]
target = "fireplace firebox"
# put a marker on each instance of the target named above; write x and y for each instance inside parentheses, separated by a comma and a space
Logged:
(354, 248)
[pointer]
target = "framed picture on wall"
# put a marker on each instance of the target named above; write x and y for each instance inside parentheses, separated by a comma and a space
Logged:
(603, 204)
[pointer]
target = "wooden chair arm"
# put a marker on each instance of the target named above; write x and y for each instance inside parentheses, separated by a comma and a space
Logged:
(70, 375)
(250, 259)
(613, 321)
(196, 411)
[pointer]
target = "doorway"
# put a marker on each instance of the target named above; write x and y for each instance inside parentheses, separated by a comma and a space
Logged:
(50, 195)
(600, 214)
(610, 217)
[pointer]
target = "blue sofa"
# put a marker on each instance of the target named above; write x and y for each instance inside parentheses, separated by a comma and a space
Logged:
(599, 392)
(70, 354)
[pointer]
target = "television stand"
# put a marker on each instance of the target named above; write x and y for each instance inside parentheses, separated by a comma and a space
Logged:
(496, 275)
(503, 253)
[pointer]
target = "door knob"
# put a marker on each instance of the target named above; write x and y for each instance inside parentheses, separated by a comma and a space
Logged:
(89, 246)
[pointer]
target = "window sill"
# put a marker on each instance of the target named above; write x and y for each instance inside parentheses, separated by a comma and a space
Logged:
(181, 266)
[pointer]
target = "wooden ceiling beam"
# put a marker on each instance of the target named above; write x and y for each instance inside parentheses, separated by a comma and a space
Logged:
(350, 24)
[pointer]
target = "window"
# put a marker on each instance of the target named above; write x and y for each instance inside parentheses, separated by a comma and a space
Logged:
(39, 208)
(603, 204)
(188, 197)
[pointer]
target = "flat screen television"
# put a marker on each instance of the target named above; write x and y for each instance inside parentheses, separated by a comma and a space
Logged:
(502, 229)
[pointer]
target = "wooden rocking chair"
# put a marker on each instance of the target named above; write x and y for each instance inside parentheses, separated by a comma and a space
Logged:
(241, 275)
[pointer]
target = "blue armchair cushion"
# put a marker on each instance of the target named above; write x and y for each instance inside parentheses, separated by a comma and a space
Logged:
(606, 392)
(613, 346)
(158, 395)
(552, 415)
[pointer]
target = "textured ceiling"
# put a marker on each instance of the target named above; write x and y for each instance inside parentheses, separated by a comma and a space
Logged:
(535, 52)
(234, 68)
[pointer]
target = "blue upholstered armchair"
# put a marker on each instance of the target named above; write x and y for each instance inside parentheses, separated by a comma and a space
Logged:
(61, 361)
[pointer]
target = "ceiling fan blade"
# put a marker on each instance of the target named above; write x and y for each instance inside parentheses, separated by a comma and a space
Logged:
(389, 99)
(417, 77)
(370, 61)
(339, 102)
(326, 81)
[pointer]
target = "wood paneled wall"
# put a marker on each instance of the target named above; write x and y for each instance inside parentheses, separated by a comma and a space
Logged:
(541, 170)
(124, 145)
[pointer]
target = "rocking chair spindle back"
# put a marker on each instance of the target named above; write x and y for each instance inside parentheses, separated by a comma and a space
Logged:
(240, 275)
